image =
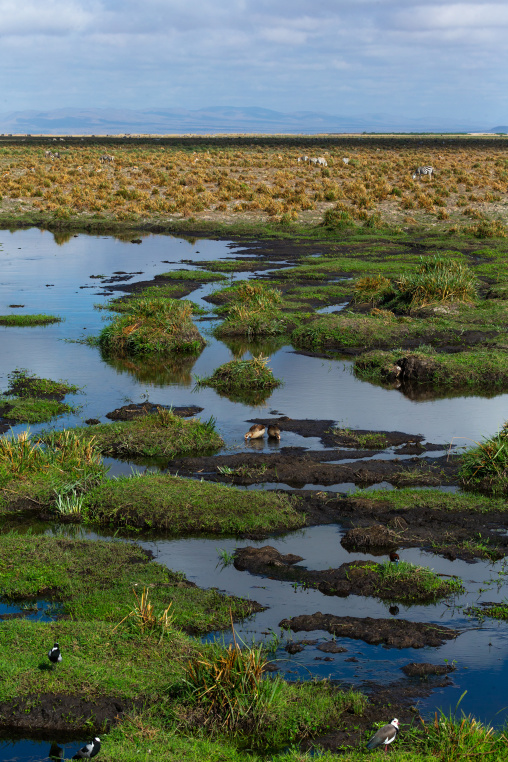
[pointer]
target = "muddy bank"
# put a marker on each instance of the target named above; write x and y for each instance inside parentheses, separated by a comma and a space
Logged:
(47, 711)
(391, 633)
(356, 578)
(306, 468)
(331, 435)
(132, 411)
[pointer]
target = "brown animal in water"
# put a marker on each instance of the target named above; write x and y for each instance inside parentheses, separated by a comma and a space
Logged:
(256, 431)
(274, 432)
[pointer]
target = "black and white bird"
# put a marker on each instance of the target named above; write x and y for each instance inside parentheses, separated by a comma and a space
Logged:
(423, 171)
(384, 735)
(89, 750)
(54, 654)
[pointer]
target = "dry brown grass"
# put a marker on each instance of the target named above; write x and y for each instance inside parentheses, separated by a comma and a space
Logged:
(258, 183)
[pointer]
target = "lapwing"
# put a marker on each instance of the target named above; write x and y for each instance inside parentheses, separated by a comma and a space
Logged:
(89, 750)
(54, 654)
(384, 735)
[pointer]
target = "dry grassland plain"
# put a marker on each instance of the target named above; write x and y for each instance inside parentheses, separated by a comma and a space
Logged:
(259, 181)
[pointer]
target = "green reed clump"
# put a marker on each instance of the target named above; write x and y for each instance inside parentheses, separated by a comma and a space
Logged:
(437, 279)
(424, 582)
(243, 376)
(153, 326)
(450, 739)
(27, 320)
(485, 467)
(253, 309)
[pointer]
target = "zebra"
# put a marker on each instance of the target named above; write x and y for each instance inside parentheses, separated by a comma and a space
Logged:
(345, 161)
(302, 159)
(322, 161)
(106, 157)
(423, 171)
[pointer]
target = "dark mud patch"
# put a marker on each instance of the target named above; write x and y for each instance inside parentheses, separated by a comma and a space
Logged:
(50, 711)
(332, 436)
(375, 537)
(139, 410)
(356, 578)
(424, 669)
(391, 633)
(298, 470)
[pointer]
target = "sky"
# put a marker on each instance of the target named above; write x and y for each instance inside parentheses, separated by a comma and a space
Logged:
(343, 57)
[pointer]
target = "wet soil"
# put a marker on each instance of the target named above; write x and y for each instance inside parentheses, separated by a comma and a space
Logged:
(180, 288)
(303, 467)
(133, 411)
(355, 578)
(424, 669)
(60, 712)
(391, 633)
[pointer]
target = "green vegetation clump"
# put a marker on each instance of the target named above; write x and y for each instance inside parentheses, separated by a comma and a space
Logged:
(423, 584)
(438, 279)
(34, 400)
(243, 379)
(253, 310)
(95, 580)
(31, 474)
(480, 369)
(485, 467)
(180, 506)
(160, 434)
(157, 326)
(27, 320)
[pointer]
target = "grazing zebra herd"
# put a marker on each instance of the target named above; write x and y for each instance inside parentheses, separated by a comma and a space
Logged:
(320, 160)
(107, 157)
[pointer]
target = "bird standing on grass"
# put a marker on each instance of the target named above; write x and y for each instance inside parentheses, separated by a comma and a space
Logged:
(54, 654)
(89, 750)
(256, 431)
(384, 735)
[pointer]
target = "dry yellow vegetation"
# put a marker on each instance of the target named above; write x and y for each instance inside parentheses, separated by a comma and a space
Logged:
(261, 183)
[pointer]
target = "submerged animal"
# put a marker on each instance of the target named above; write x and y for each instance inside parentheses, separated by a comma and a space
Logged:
(89, 750)
(54, 654)
(256, 431)
(384, 735)
(273, 432)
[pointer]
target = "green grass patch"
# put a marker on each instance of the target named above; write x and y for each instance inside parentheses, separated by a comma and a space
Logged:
(404, 499)
(34, 400)
(438, 279)
(96, 580)
(23, 320)
(160, 434)
(489, 611)
(31, 474)
(243, 379)
(479, 369)
(194, 275)
(157, 326)
(409, 583)
(252, 309)
(180, 506)
(485, 467)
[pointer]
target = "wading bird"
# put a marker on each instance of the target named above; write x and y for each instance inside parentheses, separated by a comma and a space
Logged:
(256, 431)
(273, 432)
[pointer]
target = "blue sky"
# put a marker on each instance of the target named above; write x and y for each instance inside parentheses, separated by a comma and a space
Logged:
(397, 57)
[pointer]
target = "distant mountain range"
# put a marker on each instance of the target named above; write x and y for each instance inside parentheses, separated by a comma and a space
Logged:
(216, 120)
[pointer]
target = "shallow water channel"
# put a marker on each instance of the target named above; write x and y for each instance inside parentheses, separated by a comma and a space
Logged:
(45, 276)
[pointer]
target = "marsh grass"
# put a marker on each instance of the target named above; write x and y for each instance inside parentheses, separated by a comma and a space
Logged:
(485, 467)
(438, 279)
(31, 472)
(160, 434)
(252, 310)
(32, 410)
(243, 377)
(423, 582)
(28, 320)
(180, 506)
(153, 326)
(146, 618)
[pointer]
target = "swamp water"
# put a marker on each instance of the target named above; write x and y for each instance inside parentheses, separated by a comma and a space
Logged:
(45, 276)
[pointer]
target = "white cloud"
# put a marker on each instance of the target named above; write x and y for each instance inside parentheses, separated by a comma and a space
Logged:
(53, 17)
